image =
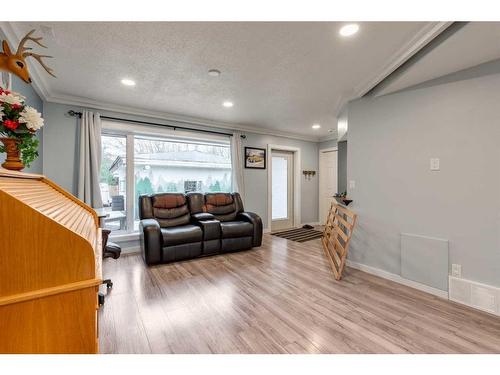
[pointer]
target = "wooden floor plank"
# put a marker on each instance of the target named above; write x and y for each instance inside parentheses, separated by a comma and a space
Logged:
(279, 298)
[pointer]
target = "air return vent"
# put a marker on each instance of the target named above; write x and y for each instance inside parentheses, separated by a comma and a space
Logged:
(480, 296)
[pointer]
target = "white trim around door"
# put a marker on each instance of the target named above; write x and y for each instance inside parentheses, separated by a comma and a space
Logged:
(321, 219)
(296, 182)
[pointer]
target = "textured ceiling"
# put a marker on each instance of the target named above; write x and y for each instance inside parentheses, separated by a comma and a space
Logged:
(280, 76)
(471, 45)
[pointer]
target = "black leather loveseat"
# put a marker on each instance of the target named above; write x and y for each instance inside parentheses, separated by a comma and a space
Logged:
(177, 226)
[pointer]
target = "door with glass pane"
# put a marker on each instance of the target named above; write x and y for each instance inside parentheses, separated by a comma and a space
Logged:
(281, 190)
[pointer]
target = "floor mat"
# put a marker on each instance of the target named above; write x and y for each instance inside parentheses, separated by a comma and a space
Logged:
(299, 234)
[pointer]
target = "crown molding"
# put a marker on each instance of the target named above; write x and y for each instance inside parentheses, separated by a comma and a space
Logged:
(42, 88)
(415, 44)
(425, 35)
(328, 138)
(166, 116)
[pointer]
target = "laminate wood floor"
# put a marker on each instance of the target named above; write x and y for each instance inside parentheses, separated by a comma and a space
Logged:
(279, 298)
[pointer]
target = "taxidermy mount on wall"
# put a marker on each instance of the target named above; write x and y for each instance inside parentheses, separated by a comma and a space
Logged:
(15, 63)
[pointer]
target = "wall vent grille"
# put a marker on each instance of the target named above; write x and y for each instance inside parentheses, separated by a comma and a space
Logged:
(473, 294)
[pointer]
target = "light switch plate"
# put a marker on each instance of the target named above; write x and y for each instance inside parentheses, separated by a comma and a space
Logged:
(434, 164)
(352, 184)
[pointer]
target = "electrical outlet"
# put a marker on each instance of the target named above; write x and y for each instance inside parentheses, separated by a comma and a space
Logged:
(456, 270)
(352, 184)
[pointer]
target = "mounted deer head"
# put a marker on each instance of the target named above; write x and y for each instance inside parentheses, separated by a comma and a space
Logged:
(15, 63)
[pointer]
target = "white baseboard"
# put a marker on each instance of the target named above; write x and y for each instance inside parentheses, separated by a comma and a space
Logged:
(131, 250)
(124, 237)
(466, 292)
(471, 293)
(398, 279)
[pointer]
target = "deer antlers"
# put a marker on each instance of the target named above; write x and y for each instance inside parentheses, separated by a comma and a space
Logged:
(15, 63)
(21, 51)
(39, 59)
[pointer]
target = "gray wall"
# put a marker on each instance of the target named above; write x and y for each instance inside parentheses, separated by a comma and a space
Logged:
(61, 160)
(342, 166)
(391, 139)
(33, 100)
(328, 144)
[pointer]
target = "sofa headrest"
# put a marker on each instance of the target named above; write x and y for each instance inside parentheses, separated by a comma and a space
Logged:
(218, 199)
(168, 200)
(221, 205)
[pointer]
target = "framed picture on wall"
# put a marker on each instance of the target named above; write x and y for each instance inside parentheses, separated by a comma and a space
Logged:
(255, 158)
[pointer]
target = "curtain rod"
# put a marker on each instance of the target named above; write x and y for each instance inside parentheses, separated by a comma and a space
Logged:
(79, 114)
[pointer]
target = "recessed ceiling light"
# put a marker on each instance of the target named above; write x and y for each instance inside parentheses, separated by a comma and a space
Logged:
(349, 29)
(128, 82)
(228, 104)
(214, 73)
(316, 126)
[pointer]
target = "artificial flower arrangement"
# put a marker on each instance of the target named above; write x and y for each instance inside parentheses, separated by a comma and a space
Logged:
(18, 125)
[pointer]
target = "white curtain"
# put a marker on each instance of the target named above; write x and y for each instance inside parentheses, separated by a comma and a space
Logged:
(237, 163)
(90, 159)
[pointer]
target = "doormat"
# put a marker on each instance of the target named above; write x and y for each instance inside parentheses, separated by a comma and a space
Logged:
(299, 234)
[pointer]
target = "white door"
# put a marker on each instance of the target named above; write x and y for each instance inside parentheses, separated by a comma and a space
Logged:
(327, 181)
(281, 190)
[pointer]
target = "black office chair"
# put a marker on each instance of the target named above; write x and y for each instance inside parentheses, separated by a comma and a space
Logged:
(109, 250)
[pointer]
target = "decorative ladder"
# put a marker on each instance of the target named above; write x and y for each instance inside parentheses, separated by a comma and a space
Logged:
(337, 235)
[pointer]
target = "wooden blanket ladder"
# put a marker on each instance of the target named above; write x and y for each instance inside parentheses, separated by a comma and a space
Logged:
(337, 235)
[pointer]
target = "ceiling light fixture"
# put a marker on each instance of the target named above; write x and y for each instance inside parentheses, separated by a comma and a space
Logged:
(316, 126)
(214, 73)
(349, 29)
(228, 104)
(128, 82)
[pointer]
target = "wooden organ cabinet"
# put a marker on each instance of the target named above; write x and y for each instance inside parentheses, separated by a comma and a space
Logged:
(50, 268)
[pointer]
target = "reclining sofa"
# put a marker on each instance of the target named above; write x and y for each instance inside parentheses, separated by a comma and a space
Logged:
(178, 226)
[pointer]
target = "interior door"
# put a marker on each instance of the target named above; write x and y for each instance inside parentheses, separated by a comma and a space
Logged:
(282, 190)
(327, 181)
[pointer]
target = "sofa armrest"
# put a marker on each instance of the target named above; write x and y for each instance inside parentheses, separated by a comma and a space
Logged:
(256, 221)
(202, 216)
(151, 240)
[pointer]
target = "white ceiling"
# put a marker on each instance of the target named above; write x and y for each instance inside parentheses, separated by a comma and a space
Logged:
(281, 76)
(471, 45)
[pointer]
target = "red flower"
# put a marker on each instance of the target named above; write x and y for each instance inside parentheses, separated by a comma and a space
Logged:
(9, 124)
(16, 106)
(6, 92)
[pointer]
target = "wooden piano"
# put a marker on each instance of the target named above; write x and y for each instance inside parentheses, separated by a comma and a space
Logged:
(50, 268)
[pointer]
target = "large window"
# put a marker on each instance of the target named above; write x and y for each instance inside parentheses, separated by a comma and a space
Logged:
(176, 166)
(158, 164)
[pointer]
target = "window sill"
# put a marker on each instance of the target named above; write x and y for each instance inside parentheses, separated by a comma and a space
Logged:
(124, 237)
